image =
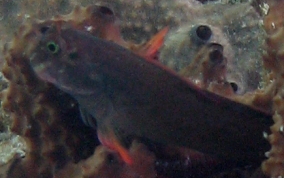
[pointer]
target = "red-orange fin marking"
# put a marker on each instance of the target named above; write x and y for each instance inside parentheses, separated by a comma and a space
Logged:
(111, 141)
(150, 49)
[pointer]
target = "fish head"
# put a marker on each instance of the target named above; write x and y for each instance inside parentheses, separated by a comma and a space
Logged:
(56, 54)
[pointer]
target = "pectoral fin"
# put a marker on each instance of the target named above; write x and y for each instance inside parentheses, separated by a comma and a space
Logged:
(87, 118)
(111, 141)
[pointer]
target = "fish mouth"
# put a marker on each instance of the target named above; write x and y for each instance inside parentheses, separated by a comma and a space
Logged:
(58, 76)
(44, 70)
(41, 71)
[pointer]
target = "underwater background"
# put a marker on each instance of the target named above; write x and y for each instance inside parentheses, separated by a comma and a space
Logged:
(229, 47)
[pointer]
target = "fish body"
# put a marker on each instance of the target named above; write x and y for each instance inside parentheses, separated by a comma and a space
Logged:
(130, 97)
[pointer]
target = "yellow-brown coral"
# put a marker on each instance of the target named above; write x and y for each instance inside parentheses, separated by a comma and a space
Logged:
(106, 163)
(47, 118)
(274, 60)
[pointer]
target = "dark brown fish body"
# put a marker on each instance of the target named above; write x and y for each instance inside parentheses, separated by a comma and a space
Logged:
(132, 97)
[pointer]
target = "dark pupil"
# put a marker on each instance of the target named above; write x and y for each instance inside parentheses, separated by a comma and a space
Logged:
(51, 47)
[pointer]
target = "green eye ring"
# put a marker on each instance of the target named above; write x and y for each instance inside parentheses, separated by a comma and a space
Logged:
(53, 47)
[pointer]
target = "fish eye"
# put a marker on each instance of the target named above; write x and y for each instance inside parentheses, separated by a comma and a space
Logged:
(53, 47)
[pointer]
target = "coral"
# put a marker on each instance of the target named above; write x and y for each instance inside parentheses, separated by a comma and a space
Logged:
(5, 120)
(240, 34)
(273, 60)
(209, 69)
(274, 19)
(106, 163)
(46, 118)
(11, 146)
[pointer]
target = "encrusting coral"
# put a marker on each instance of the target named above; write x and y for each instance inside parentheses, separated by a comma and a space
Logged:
(48, 119)
(240, 35)
(273, 60)
(45, 117)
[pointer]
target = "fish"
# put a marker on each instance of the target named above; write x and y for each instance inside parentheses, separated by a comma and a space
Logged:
(128, 97)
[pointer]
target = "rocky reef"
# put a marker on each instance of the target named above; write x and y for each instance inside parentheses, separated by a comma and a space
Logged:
(56, 143)
(44, 117)
(229, 29)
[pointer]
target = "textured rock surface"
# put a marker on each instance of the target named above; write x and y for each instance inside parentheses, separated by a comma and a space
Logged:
(240, 34)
